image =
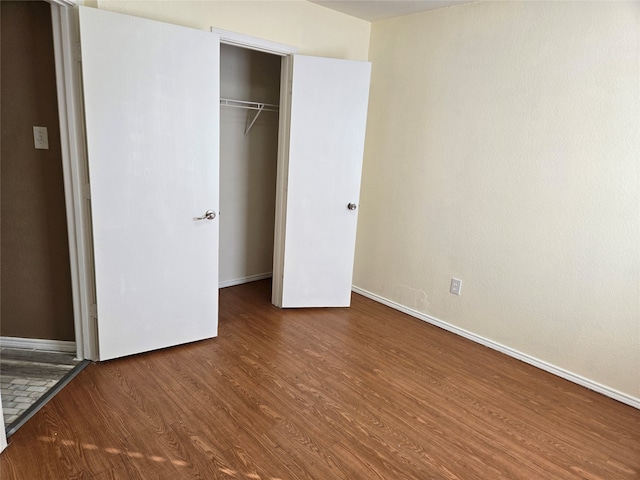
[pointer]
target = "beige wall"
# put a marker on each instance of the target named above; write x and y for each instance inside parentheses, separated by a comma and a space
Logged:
(503, 149)
(36, 280)
(315, 30)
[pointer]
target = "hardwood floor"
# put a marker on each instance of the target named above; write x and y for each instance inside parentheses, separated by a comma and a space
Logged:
(359, 393)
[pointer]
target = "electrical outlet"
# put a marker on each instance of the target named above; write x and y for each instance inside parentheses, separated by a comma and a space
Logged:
(456, 286)
(40, 138)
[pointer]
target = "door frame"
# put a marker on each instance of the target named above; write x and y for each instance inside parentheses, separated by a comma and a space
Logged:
(66, 43)
(284, 122)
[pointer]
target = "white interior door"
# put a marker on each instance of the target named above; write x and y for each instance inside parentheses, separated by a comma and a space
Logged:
(328, 119)
(152, 123)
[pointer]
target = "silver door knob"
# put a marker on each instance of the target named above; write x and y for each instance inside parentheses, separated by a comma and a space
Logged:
(352, 206)
(208, 215)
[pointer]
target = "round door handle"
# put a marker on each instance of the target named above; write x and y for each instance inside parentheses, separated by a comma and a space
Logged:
(352, 206)
(208, 215)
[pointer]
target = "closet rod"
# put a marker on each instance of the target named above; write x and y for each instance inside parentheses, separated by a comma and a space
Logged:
(264, 107)
(260, 107)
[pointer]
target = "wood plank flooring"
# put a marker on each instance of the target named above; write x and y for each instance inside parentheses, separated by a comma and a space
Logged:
(359, 393)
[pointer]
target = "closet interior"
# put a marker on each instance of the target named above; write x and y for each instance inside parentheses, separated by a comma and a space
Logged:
(249, 99)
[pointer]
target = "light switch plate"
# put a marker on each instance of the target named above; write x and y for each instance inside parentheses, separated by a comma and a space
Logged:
(40, 138)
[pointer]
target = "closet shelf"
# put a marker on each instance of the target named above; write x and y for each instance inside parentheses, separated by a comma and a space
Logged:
(266, 107)
(260, 107)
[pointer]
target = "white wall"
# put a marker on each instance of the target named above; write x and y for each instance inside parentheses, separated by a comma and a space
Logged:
(503, 149)
(315, 30)
(247, 164)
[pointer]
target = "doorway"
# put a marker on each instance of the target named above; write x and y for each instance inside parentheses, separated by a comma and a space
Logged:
(250, 97)
(37, 334)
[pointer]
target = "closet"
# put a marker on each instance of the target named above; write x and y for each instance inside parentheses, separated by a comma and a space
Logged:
(249, 99)
(221, 196)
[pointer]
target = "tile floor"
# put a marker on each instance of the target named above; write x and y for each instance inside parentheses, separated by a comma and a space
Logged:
(18, 394)
(26, 375)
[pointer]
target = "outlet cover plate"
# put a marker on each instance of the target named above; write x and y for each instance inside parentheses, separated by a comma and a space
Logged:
(456, 286)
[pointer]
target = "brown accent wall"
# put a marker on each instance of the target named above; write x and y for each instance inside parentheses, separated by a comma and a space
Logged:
(35, 279)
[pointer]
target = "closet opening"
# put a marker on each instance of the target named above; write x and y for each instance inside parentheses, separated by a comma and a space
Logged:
(249, 129)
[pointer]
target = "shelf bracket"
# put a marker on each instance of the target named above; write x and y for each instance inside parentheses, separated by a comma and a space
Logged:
(248, 128)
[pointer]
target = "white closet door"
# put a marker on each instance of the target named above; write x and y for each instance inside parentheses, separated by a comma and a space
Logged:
(152, 123)
(328, 120)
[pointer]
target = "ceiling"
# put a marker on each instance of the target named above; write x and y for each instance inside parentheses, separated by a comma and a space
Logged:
(373, 10)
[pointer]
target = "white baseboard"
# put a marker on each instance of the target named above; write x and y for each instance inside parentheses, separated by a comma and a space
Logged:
(560, 372)
(239, 281)
(39, 344)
